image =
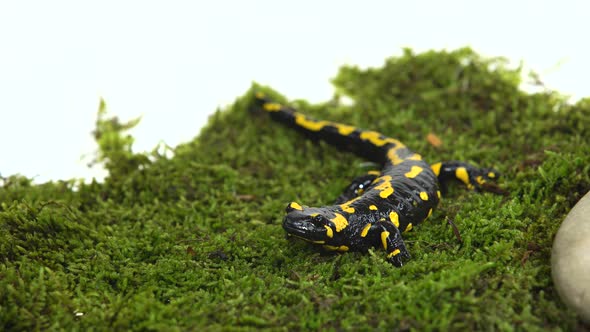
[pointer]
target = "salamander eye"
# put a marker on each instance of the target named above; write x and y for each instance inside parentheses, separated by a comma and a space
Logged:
(318, 221)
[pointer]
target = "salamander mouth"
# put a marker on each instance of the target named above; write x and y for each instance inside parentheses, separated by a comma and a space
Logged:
(303, 229)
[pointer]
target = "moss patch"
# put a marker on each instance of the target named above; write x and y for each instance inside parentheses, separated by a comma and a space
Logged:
(194, 241)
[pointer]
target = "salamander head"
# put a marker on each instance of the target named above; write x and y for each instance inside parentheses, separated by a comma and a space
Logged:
(309, 224)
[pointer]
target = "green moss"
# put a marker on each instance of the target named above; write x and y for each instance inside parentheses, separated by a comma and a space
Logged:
(194, 240)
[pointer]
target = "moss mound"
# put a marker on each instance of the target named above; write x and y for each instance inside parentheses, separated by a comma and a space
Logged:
(194, 241)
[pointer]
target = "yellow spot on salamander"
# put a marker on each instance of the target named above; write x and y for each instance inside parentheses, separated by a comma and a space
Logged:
(394, 217)
(296, 206)
(393, 156)
(314, 215)
(480, 179)
(436, 168)
(408, 228)
(384, 178)
(329, 232)
(344, 129)
(339, 222)
(348, 209)
(376, 138)
(314, 125)
(491, 175)
(346, 206)
(272, 107)
(386, 192)
(438, 194)
(429, 213)
(415, 156)
(424, 195)
(365, 230)
(393, 253)
(373, 207)
(306, 123)
(336, 248)
(414, 171)
(384, 236)
(385, 187)
(461, 174)
(374, 173)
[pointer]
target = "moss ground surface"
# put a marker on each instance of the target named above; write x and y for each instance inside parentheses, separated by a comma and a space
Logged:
(194, 241)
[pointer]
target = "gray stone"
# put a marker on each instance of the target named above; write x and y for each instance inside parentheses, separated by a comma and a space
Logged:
(570, 259)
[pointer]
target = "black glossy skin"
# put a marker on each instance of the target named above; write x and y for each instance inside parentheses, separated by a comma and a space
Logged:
(377, 207)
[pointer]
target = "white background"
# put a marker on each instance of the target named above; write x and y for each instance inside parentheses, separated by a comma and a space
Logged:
(175, 62)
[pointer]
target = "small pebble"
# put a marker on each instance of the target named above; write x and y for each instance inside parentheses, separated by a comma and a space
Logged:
(570, 259)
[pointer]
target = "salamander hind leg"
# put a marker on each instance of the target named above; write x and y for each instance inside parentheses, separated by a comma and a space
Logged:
(473, 177)
(357, 187)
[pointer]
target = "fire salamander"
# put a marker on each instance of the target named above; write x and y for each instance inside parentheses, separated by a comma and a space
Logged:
(376, 207)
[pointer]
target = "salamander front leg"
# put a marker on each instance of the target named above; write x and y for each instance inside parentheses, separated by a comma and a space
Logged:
(392, 242)
(473, 177)
(357, 187)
